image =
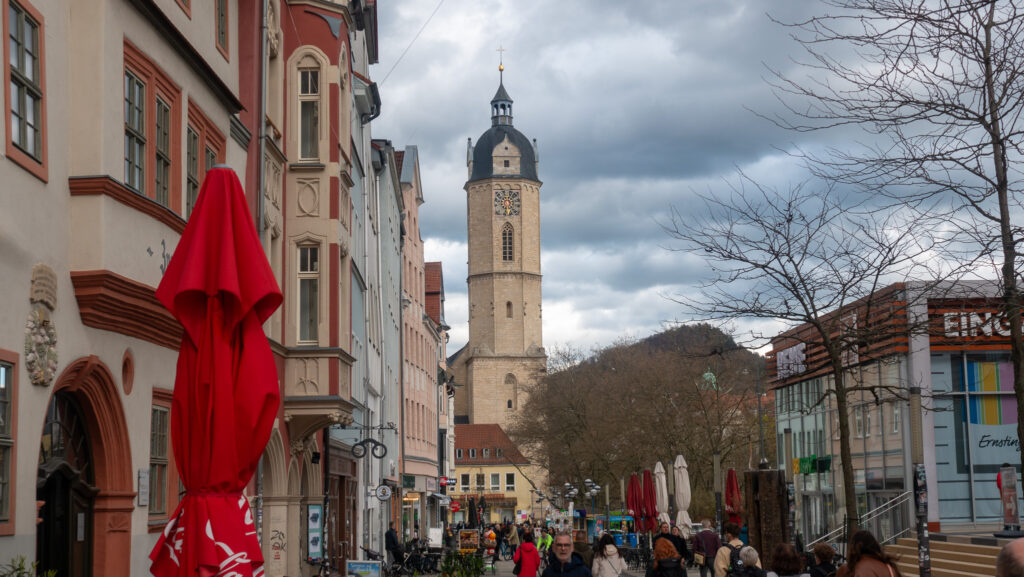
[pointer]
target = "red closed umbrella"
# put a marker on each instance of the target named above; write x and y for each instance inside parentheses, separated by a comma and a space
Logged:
(221, 288)
(650, 502)
(633, 501)
(733, 499)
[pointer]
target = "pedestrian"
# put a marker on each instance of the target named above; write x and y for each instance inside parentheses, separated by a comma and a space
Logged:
(680, 543)
(786, 562)
(513, 537)
(1010, 562)
(751, 563)
(728, 555)
(667, 560)
(583, 549)
(823, 566)
(867, 558)
(564, 562)
(527, 557)
(666, 533)
(392, 546)
(607, 561)
(706, 544)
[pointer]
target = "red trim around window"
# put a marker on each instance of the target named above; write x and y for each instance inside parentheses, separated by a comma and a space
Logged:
(7, 528)
(158, 84)
(39, 169)
(209, 136)
(163, 398)
(186, 7)
(225, 49)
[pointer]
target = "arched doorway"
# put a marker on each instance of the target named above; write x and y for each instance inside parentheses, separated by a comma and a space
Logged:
(66, 487)
(85, 476)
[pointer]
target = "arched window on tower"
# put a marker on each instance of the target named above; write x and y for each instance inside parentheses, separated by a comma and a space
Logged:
(508, 309)
(512, 383)
(507, 247)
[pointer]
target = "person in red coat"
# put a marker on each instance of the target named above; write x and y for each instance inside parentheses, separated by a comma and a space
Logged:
(527, 556)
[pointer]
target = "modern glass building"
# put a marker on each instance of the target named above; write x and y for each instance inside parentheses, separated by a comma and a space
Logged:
(952, 343)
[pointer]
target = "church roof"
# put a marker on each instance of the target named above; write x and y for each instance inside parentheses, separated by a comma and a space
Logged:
(483, 164)
(501, 95)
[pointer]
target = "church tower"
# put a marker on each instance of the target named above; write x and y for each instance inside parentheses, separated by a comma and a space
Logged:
(505, 351)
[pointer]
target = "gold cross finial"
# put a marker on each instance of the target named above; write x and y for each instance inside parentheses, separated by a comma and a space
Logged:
(501, 65)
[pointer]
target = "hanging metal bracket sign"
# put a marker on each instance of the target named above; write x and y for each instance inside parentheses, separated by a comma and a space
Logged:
(374, 447)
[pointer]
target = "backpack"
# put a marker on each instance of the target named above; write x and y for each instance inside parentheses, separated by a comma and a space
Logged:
(735, 566)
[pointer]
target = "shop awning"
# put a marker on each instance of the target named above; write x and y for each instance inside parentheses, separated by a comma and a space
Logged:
(444, 499)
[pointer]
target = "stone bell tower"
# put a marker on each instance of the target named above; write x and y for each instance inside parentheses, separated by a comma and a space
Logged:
(505, 351)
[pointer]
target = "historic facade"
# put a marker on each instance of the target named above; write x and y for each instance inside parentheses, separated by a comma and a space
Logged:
(505, 349)
(488, 466)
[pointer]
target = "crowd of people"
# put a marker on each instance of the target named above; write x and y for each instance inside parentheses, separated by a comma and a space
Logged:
(549, 552)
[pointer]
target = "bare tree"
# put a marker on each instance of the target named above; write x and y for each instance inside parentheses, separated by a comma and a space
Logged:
(941, 86)
(805, 257)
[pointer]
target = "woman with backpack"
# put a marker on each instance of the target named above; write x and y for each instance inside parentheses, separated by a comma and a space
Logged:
(607, 561)
(526, 557)
(867, 559)
(667, 560)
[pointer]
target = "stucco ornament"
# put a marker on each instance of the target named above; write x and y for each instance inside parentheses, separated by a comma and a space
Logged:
(40, 348)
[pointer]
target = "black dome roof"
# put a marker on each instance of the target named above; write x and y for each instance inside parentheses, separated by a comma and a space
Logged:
(483, 163)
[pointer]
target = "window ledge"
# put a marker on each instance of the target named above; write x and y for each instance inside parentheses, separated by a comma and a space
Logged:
(307, 166)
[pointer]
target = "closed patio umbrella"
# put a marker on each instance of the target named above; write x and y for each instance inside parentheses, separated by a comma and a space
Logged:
(661, 493)
(733, 498)
(683, 495)
(220, 287)
(633, 501)
(650, 502)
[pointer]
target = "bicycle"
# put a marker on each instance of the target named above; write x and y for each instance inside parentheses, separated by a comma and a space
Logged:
(506, 551)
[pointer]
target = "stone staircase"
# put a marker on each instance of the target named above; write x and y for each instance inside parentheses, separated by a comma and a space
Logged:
(949, 558)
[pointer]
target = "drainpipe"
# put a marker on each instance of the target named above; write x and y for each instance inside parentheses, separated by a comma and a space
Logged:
(380, 319)
(260, 186)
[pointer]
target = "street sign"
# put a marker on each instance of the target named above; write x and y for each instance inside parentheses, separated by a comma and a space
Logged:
(383, 492)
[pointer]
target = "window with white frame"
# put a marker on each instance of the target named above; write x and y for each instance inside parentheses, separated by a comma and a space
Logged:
(458, 455)
(26, 94)
(163, 152)
(868, 411)
(495, 482)
(134, 132)
(309, 113)
(158, 461)
(510, 482)
(858, 421)
(309, 293)
(487, 452)
(479, 481)
(897, 416)
(6, 437)
(472, 453)
(464, 481)
(192, 168)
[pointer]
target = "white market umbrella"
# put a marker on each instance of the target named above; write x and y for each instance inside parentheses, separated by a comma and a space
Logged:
(682, 482)
(661, 493)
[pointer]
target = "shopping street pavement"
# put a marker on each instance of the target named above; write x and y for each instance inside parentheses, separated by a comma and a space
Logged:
(504, 569)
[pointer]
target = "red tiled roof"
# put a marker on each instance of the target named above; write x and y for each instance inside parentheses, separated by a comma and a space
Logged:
(433, 287)
(487, 436)
(399, 156)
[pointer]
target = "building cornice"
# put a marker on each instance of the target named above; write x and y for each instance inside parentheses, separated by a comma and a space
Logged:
(103, 185)
(111, 302)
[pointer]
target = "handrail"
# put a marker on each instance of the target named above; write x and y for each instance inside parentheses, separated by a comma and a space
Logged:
(896, 536)
(869, 516)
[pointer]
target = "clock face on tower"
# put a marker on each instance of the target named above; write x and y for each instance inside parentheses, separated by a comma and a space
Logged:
(506, 202)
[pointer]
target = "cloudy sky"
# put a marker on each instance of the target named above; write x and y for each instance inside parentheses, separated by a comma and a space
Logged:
(636, 106)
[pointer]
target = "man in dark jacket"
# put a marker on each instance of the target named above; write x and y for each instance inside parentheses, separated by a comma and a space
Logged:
(391, 544)
(707, 542)
(565, 563)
